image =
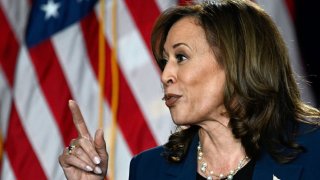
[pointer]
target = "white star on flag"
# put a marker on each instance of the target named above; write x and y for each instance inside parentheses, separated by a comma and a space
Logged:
(51, 9)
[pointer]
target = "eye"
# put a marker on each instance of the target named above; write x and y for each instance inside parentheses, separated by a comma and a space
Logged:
(180, 57)
(162, 63)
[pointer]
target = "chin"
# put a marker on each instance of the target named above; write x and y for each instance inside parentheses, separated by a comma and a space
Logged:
(181, 121)
(177, 121)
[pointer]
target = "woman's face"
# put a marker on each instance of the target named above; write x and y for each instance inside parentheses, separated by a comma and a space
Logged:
(192, 78)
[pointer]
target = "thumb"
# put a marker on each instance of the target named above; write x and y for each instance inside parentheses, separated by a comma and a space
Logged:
(100, 145)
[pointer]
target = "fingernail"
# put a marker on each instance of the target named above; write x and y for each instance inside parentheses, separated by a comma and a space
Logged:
(97, 170)
(96, 160)
(88, 168)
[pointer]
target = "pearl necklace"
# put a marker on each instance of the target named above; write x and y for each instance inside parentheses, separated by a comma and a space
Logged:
(210, 174)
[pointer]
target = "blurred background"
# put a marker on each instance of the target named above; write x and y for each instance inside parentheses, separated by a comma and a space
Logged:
(98, 53)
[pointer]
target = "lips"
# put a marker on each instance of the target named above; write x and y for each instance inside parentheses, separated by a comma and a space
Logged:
(171, 99)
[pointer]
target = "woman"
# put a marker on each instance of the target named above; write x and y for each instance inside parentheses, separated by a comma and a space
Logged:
(230, 88)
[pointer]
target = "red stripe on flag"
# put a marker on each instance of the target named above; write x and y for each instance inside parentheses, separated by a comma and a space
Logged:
(184, 2)
(130, 118)
(23, 160)
(291, 8)
(8, 48)
(90, 29)
(54, 87)
(144, 13)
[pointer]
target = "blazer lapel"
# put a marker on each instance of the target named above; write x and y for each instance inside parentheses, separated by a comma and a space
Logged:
(267, 169)
(188, 168)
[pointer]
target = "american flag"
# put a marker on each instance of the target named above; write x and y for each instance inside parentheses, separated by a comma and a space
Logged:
(49, 53)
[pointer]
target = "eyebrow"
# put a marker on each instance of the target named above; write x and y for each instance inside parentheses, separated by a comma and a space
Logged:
(180, 44)
(175, 46)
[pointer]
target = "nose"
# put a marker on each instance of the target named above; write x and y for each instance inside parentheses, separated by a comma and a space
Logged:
(169, 74)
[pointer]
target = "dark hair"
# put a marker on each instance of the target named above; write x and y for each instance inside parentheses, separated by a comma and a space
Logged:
(261, 95)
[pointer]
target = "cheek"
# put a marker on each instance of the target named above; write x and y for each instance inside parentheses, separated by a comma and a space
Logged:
(210, 92)
(205, 82)
(202, 86)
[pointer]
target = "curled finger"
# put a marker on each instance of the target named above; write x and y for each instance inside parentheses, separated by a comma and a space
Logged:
(81, 154)
(90, 150)
(77, 158)
(68, 160)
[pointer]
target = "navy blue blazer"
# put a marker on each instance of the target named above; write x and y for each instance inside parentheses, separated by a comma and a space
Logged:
(151, 165)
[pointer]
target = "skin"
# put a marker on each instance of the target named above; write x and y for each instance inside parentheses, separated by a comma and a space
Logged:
(193, 73)
(193, 84)
(89, 160)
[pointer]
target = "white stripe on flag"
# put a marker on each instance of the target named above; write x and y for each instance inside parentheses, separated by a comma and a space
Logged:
(71, 52)
(36, 118)
(5, 104)
(140, 72)
(84, 88)
(123, 157)
(165, 4)
(17, 14)
(6, 171)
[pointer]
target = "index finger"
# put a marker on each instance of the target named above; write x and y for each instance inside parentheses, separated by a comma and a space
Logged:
(78, 120)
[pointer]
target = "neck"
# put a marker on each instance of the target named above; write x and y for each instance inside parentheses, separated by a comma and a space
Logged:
(218, 137)
(220, 149)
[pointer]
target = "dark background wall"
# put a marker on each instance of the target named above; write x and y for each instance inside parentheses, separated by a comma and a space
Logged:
(307, 22)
